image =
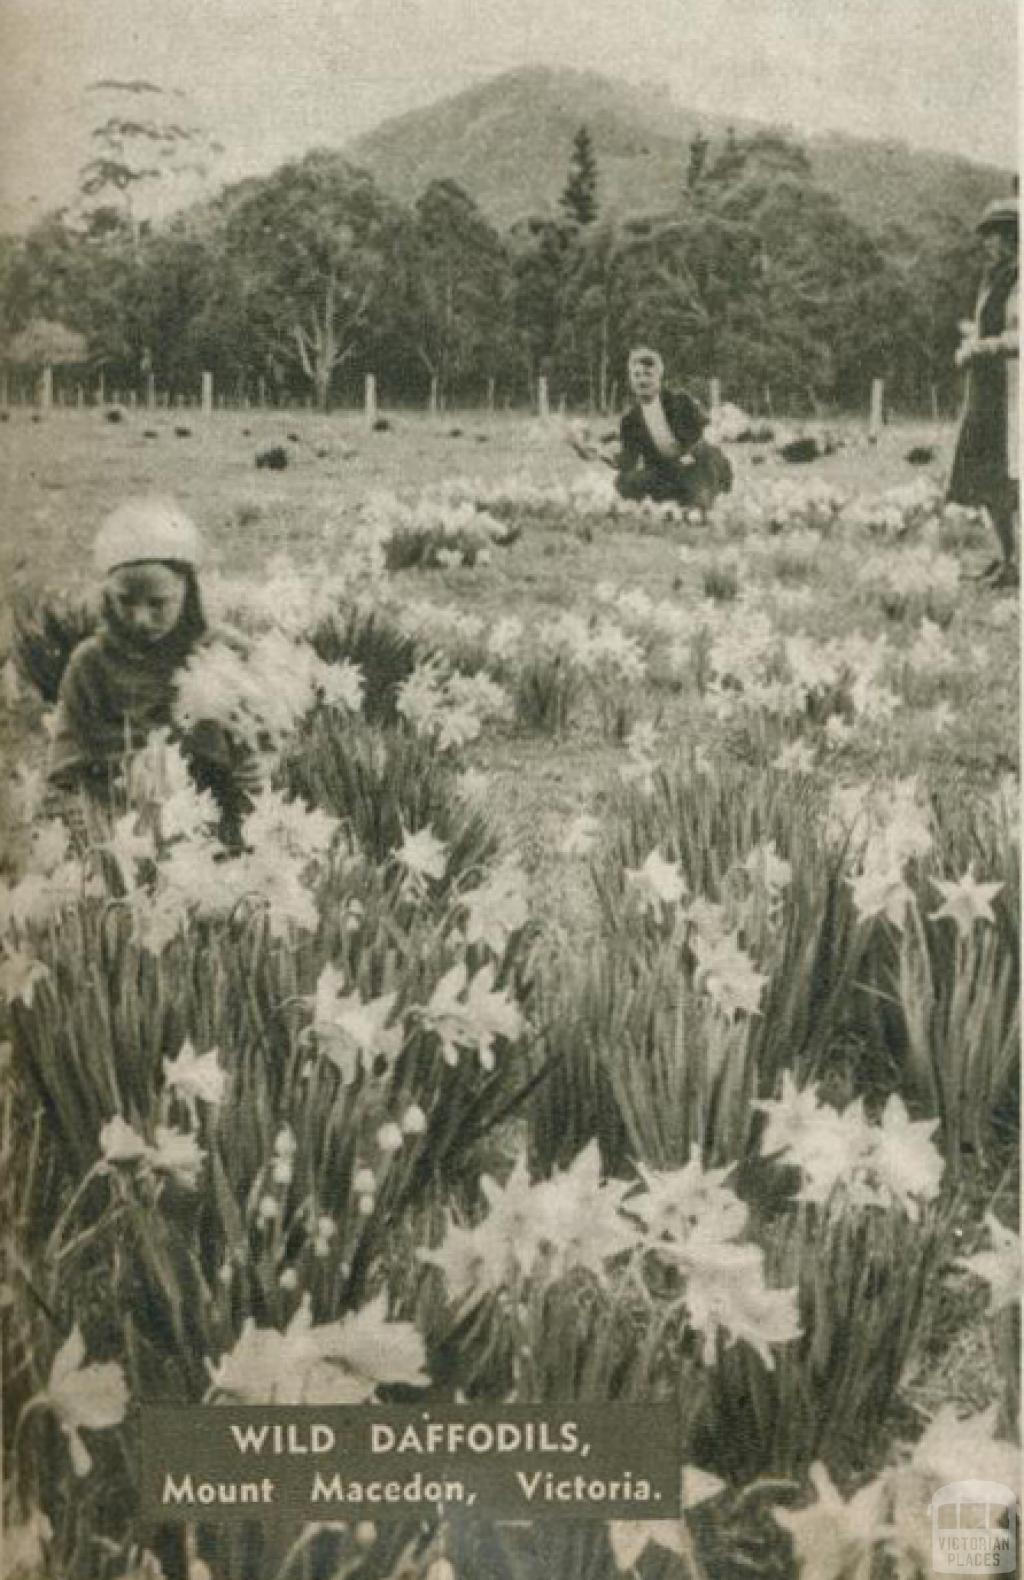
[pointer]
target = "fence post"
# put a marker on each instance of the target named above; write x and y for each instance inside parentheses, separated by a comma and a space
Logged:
(877, 416)
(370, 398)
(46, 388)
(543, 403)
(79, 396)
(207, 394)
(150, 391)
(490, 395)
(433, 394)
(101, 390)
(716, 394)
(935, 402)
(133, 399)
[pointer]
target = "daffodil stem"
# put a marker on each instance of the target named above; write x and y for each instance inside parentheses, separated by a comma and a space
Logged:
(88, 1235)
(37, 1402)
(190, 1546)
(53, 1242)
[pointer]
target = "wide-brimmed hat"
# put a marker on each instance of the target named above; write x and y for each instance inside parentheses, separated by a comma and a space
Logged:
(1000, 214)
(146, 529)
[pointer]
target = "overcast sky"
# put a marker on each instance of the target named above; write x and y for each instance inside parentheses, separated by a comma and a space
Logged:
(271, 78)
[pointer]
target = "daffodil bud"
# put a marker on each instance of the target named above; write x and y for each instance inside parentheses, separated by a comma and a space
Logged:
(365, 1533)
(285, 1144)
(365, 1182)
(389, 1137)
(414, 1120)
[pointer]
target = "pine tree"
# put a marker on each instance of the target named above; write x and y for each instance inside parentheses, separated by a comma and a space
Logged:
(579, 200)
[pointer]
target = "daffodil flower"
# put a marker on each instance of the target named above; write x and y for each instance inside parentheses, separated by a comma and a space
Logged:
(422, 854)
(351, 1031)
(497, 908)
(676, 1203)
(466, 1012)
(82, 1397)
(999, 1268)
(631, 1539)
(727, 974)
(904, 1160)
(20, 975)
(197, 1078)
(657, 884)
(177, 1153)
(881, 891)
(25, 1544)
(966, 902)
(833, 1539)
(119, 1143)
(333, 1363)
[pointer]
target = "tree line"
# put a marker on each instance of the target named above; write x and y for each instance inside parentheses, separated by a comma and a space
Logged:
(297, 283)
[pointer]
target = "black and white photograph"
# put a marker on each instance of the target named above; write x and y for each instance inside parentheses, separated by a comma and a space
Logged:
(509, 789)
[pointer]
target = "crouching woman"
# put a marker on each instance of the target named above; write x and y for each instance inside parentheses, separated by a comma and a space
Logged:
(663, 456)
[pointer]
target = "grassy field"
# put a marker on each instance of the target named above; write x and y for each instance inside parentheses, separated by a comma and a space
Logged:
(628, 1011)
(63, 473)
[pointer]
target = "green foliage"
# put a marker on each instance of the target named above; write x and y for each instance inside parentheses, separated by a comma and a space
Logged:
(455, 282)
(47, 629)
(384, 654)
(722, 581)
(383, 783)
(754, 271)
(865, 1280)
(622, 1039)
(640, 1061)
(306, 252)
(579, 200)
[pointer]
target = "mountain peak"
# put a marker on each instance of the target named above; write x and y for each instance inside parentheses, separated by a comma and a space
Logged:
(507, 140)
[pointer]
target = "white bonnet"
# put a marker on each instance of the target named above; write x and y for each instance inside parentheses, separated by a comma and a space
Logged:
(146, 529)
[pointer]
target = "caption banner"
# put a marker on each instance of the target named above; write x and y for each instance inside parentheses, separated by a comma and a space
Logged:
(506, 1462)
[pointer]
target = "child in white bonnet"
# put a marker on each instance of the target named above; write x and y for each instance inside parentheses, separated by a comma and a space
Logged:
(120, 683)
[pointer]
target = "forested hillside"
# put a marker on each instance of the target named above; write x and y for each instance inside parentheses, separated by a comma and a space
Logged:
(504, 141)
(538, 224)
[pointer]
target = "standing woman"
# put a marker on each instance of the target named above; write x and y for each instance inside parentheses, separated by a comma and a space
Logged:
(985, 467)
